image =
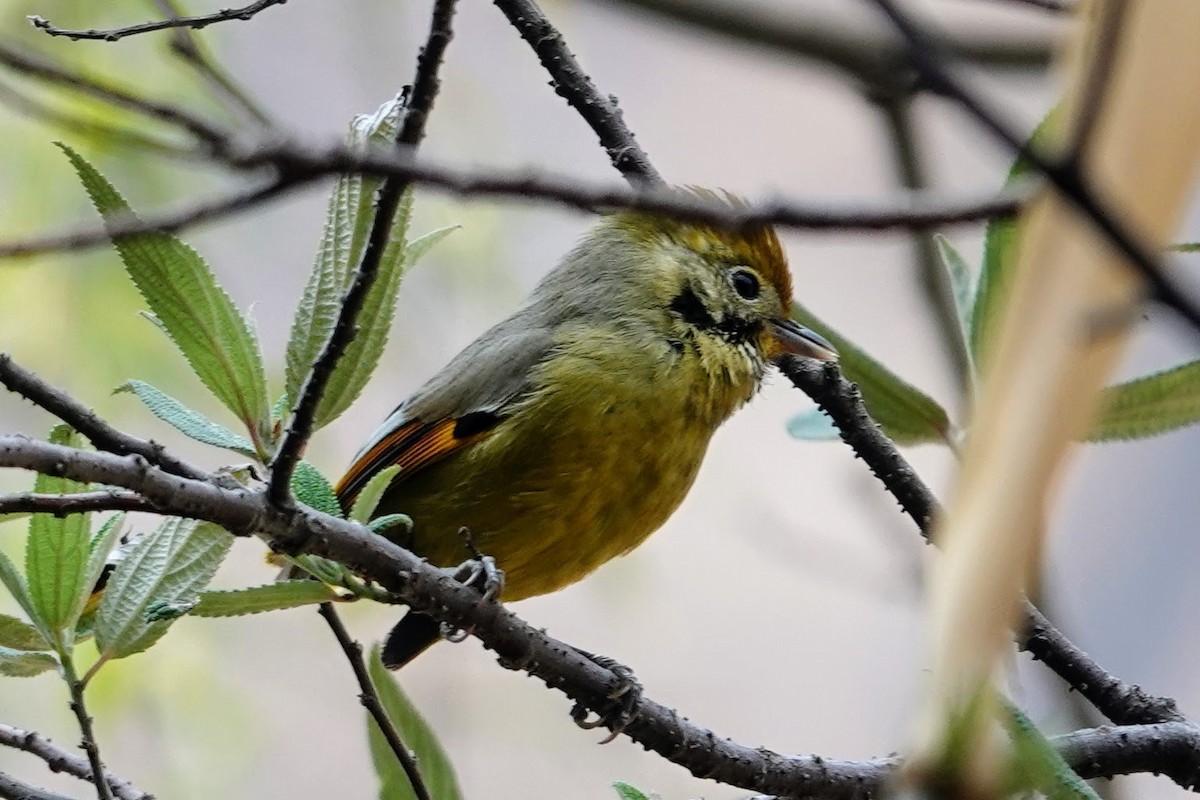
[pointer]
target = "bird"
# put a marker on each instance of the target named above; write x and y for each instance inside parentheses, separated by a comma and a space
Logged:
(567, 433)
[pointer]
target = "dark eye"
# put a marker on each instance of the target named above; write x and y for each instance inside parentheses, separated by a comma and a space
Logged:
(745, 283)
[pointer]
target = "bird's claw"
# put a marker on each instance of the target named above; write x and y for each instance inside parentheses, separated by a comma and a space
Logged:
(624, 698)
(479, 572)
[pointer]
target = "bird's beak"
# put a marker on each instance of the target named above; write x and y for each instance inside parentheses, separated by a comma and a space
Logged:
(791, 338)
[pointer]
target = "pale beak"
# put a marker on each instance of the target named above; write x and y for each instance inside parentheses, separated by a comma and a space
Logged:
(792, 338)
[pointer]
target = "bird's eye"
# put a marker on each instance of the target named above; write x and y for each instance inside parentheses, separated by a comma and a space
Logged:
(745, 283)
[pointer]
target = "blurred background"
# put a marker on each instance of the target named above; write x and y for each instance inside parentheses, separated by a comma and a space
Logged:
(780, 606)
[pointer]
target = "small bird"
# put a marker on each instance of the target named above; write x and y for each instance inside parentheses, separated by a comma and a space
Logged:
(571, 431)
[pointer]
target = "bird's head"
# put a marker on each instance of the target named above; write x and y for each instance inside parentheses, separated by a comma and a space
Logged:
(726, 295)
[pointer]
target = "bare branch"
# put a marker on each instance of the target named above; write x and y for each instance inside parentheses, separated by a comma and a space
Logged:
(43, 69)
(929, 60)
(1099, 752)
(13, 789)
(195, 23)
(62, 504)
(59, 759)
(574, 85)
(842, 401)
(102, 435)
(90, 745)
(371, 702)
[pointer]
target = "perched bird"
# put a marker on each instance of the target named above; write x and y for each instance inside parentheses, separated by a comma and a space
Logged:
(569, 432)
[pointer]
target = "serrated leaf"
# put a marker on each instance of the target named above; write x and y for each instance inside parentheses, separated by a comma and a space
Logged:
(906, 414)
(1037, 766)
(418, 248)
(323, 569)
(433, 763)
(17, 634)
(627, 792)
(190, 423)
(1000, 250)
(1150, 405)
(367, 500)
(347, 223)
(813, 425)
(192, 307)
(311, 488)
(962, 284)
(15, 584)
(168, 566)
(258, 599)
(19, 664)
(56, 554)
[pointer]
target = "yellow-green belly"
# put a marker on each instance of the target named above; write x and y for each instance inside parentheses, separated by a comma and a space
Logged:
(572, 478)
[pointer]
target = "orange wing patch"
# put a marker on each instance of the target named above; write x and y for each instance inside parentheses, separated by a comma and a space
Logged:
(411, 447)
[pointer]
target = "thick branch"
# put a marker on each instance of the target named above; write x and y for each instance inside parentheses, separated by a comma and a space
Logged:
(574, 85)
(195, 23)
(59, 759)
(519, 645)
(13, 789)
(841, 400)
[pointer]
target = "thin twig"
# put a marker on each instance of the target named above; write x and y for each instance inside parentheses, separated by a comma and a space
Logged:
(102, 435)
(576, 87)
(871, 55)
(387, 199)
(59, 759)
(370, 700)
(90, 746)
(41, 68)
(62, 504)
(842, 401)
(1057, 6)
(195, 23)
(930, 61)
(301, 165)
(185, 45)
(521, 646)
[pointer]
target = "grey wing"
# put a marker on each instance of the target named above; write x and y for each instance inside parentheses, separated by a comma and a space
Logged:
(477, 385)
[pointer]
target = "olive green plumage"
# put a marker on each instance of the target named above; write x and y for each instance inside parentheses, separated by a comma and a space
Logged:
(580, 422)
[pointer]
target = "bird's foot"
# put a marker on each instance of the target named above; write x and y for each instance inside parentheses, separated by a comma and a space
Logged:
(624, 699)
(479, 572)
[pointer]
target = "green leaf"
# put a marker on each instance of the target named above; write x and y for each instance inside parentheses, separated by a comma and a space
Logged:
(906, 414)
(1150, 405)
(188, 422)
(17, 634)
(192, 307)
(257, 599)
(15, 585)
(347, 223)
(1000, 248)
(627, 792)
(813, 425)
(386, 524)
(311, 488)
(368, 498)
(18, 664)
(323, 569)
(168, 566)
(1037, 766)
(434, 764)
(961, 282)
(1185, 247)
(56, 555)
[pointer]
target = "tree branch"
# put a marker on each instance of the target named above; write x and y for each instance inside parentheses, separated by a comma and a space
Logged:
(102, 435)
(841, 400)
(13, 789)
(520, 646)
(387, 199)
(90, 746)
(59, 759)
(195, 23)
(371, 702)
(573, 84)
(62, 504)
